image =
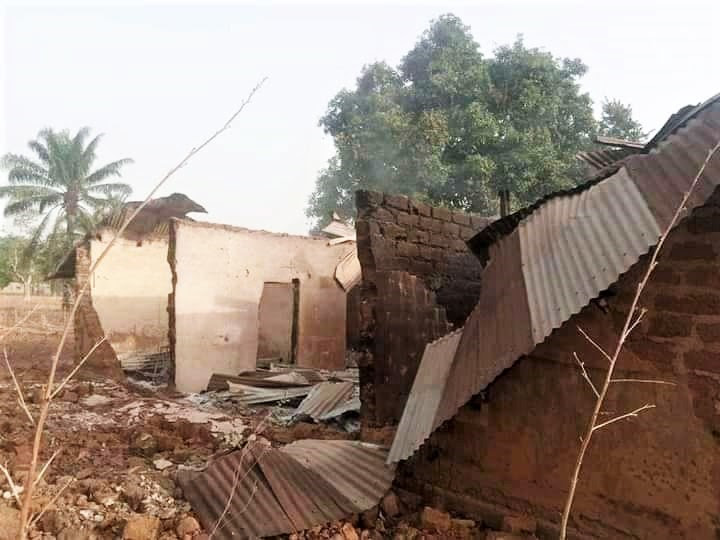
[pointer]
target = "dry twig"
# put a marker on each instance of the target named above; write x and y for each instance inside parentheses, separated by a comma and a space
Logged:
(18, 390)
(631, 321)
(48, 396)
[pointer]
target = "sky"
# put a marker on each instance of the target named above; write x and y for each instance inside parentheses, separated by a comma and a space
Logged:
(158, 78)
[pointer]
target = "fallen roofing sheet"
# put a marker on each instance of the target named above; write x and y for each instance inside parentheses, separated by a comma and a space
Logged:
(599, 159)
(262, 491)
(549, 262)
(252, 395)
(418, 419)
(324, 398)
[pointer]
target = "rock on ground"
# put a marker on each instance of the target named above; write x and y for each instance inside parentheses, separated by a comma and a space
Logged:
(141, 528)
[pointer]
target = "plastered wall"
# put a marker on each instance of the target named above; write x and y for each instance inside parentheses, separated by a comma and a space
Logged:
(129, 291)
(653, 477)
(219, 272)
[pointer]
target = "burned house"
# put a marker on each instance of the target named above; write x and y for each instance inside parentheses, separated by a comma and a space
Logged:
(485, 408)
(207, 298)
(239, 295)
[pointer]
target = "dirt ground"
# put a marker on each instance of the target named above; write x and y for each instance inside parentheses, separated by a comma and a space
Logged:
(120, 445)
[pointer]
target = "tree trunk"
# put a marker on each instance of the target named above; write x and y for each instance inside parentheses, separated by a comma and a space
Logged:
(27, 287)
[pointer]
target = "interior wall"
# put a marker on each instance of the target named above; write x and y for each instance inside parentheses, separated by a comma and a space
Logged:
(220, 272)
(130, 291)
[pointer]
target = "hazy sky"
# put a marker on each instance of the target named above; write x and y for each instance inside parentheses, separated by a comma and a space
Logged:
(157, 79)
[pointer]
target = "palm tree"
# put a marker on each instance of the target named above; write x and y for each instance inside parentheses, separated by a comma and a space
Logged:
(59, 184)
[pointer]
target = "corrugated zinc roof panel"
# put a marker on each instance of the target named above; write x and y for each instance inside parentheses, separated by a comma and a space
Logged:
(356, 469)
(553, 241)
(263, 491)
(325, 397)
(569, 248)
(417, 421)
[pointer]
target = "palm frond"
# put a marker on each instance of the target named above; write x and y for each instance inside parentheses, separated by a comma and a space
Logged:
(111, 169)
(23, 169)
(58, 145)
(41, 151)
(88, 155)
(112, 189)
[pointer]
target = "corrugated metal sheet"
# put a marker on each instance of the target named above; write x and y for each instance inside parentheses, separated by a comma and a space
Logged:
(560, 254)
(356, 469)
(325, 397)
(269, 492)
(572, 248)
(418, 419)
(599, 159)
(348, 272)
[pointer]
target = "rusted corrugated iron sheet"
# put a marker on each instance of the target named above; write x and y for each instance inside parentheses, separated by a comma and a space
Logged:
(325, 397)
(269, 491)
(599, 159)
(560, 254)
(356, 469)
(418, 419)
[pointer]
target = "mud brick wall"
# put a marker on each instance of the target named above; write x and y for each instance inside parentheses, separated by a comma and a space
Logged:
(657, 476)
(419, 282)
(88, 329)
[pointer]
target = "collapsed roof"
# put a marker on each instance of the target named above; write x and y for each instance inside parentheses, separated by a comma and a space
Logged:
(548, 261)
(152, 220)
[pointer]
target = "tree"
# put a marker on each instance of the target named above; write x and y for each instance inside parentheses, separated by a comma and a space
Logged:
(17, 263)
(454, 128)
(59, 185)
(617, 121)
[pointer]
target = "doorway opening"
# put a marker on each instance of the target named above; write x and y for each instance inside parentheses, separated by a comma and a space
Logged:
(278, 322)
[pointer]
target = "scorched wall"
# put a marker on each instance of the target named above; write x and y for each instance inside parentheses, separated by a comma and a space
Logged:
(219, 274)
(654, 477)
(419, 280)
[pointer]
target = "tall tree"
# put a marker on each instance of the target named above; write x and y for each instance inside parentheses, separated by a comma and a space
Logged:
(59, 185)
(455, 128)
(617, 121)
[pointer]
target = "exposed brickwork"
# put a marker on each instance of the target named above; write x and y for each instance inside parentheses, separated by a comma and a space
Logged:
(419, 281)
(88, 330)
(657, 476)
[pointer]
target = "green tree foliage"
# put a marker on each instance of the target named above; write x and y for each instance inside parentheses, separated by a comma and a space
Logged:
(20, 264)
(454, 128)
(59, 186)
(617, 121)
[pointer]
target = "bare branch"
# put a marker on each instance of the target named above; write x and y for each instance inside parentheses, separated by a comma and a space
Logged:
(648, 381)
(637, 321)
(13, 486)
(18, 324)
(630, 323)
(50, 503)
(77, 368)
(45, 467)
(623, 416)
(586, 376)
(595, 344)
(18, 389)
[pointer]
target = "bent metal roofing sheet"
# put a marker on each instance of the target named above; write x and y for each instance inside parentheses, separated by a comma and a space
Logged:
(557, 256)
(263, 491)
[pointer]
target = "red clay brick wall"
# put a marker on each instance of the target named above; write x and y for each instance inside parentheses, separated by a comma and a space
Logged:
(654, 477)
(419, 281)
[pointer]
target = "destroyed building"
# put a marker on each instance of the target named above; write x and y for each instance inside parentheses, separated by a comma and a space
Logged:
(207, 298)
(469, 366)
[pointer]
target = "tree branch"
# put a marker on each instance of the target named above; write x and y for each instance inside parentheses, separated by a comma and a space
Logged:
(586, 376)
(623, 416)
